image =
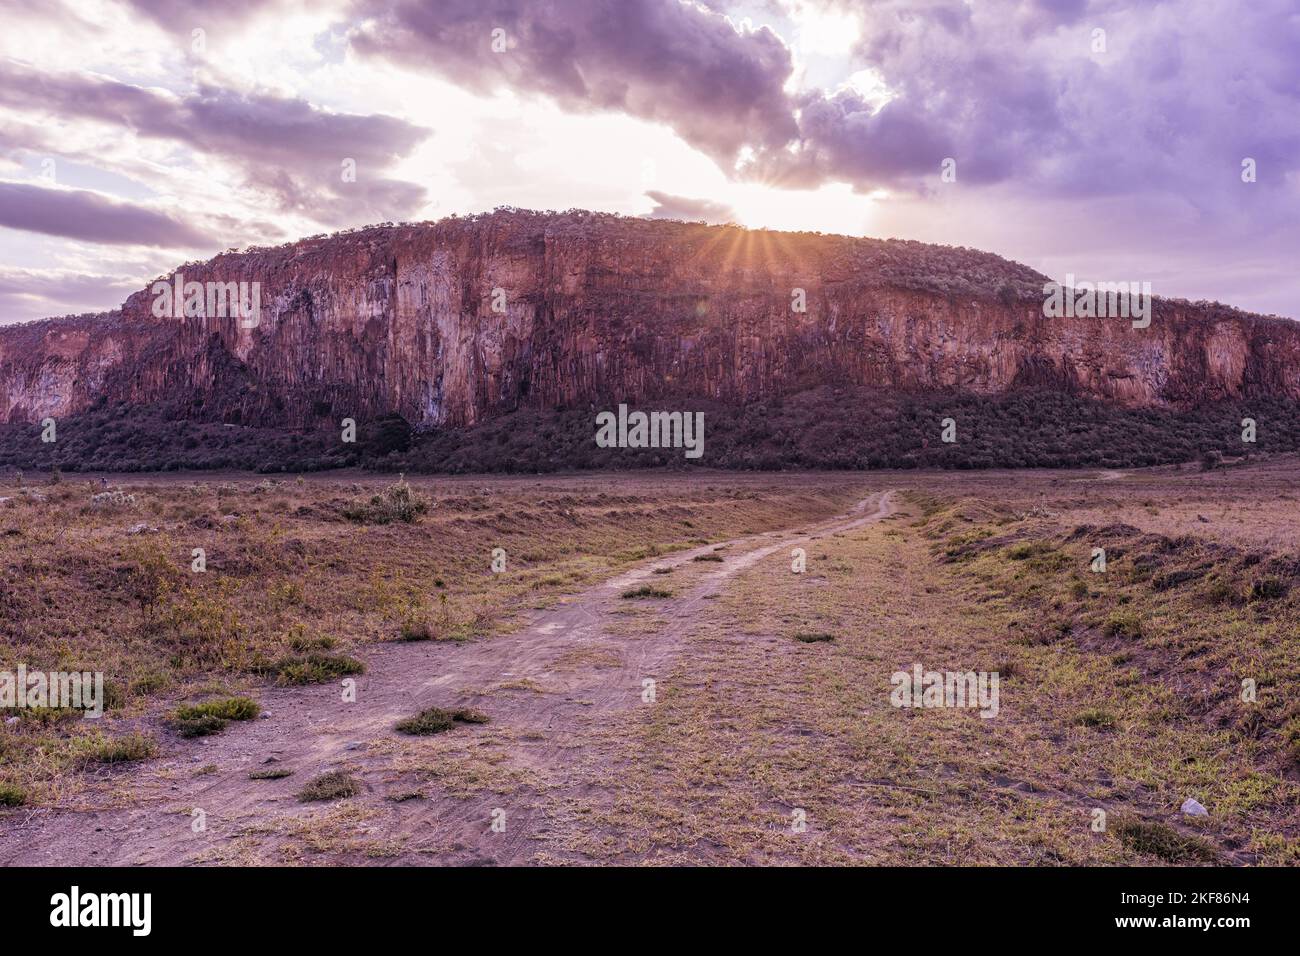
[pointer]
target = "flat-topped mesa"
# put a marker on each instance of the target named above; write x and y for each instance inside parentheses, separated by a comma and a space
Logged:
(454, 322)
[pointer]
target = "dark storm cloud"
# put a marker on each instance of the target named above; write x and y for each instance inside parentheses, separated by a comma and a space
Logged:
(718, 85)
(668, 206)
(90, 217)
(285, 146)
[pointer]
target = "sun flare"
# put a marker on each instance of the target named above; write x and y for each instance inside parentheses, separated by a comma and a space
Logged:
(834, 208)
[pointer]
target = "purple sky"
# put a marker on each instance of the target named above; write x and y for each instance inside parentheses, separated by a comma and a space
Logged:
(1103, 139)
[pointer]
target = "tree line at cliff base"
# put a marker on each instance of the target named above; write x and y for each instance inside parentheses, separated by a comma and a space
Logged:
(820, 428)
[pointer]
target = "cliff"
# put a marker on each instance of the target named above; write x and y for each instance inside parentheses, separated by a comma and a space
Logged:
(460, 321)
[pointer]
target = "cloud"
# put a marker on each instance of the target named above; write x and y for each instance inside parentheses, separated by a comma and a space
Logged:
(843, 137)
(716, 83)
(27, 294)
(183, 15)
(1059, 96)
(668, 206)
(1147, 107)
(286, 147)
(90, 217)
(1084, 160)
(1013, 90)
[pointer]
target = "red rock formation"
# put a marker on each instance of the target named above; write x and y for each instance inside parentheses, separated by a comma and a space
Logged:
(601, 309)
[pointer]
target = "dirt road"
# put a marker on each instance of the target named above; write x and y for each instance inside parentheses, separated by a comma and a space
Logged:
(492, 793)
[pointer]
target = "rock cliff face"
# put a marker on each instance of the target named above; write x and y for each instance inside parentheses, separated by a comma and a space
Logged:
(452, 323)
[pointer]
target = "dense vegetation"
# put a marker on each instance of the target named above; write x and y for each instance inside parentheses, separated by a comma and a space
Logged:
(834, 428)
(149, 438)
(849, 428)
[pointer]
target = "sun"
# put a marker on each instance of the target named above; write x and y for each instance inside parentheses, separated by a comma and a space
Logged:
(834, 208)
(821, 32)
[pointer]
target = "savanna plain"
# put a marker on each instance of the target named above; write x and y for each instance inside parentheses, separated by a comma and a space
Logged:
(629, 669)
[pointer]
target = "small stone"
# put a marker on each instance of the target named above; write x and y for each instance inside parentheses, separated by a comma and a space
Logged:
(266, 715)
(11, 720)
(355, 745)
(1194, 809)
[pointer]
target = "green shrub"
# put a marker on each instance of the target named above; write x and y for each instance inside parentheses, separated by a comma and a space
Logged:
(274, 774)
(329, 786)
(1095, 717)
(413, 630)
(398, 502)
(202, 726)
(1291, 738)
(1161, 840)
(147, 684)
(1268, 589)
(301, 643)
(647, 591)
(227, 708)
(1221, 591)
(315, 668)
(124, 749)
(813, 638)
(1123, 624)
(435, 720)
(211, 717)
